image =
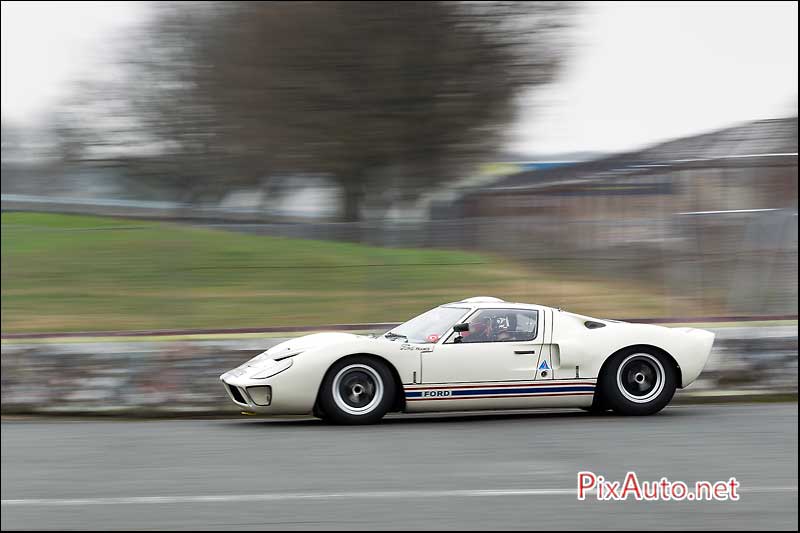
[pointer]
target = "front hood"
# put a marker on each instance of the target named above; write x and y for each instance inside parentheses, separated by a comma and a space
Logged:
(290, 348)
(308, 342)
(302, 344)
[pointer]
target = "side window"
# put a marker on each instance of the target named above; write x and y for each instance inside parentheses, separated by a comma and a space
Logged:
(500, 325)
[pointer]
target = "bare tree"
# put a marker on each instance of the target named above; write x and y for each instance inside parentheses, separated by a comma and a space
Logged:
(244, 89)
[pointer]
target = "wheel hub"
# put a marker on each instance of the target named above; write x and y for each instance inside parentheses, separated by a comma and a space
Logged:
(640, 377)
(357, 389)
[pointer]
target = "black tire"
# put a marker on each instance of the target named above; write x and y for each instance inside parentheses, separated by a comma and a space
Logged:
(357, 390)
(318, 412)
(599, 406)
(638, 381)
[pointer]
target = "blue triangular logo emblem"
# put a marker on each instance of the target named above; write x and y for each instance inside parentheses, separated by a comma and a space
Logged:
(544, 366)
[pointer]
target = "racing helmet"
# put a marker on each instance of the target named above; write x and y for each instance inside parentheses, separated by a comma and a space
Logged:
(482, 325)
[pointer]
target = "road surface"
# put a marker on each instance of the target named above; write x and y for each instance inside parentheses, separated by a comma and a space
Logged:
(457, 471)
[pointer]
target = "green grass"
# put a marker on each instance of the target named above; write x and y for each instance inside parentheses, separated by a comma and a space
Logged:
(80, 273)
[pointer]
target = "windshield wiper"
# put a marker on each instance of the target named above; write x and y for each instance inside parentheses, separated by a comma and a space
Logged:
(393, 335)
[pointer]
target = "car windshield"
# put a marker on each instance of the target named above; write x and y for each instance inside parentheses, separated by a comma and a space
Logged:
(428, 327)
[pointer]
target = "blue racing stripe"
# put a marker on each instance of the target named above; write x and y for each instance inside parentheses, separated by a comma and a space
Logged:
(473, 392)
(506, 391)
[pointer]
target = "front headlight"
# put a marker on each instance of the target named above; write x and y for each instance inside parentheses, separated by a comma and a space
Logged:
(260, 395)
(275, 367)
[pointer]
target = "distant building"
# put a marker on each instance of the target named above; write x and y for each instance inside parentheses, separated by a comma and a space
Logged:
(712, 216)
(753, 166)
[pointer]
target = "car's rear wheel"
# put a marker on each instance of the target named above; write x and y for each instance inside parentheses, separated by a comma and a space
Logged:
(638, 381)
(357, 390)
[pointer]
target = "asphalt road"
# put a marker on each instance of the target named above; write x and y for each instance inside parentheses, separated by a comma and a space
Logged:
(486, 471)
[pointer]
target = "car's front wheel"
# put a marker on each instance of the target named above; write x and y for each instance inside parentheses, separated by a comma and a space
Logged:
(357, 390)
(638, 381)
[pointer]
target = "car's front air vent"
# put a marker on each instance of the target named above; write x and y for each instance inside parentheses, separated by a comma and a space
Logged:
(237, 395)
(593, 325)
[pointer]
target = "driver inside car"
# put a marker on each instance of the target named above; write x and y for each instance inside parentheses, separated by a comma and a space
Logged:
(488, 328)
(480, 330)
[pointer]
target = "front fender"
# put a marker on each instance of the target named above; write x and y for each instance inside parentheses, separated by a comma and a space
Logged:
(310, 367)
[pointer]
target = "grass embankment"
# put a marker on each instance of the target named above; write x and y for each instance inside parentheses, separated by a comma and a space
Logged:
(80, 273)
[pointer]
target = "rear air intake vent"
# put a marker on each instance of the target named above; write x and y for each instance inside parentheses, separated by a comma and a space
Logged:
(593, 325)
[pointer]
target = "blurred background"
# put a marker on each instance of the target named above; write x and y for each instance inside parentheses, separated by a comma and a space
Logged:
(243, 166)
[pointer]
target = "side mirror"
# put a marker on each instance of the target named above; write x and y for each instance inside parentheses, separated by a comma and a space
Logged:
(459, 329)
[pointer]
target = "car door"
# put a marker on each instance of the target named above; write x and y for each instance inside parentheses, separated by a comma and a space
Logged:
(510, 352)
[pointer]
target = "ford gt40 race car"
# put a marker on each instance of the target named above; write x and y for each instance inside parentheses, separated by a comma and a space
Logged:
(479, 353)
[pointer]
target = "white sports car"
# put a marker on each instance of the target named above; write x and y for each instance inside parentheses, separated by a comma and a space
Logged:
(479, 353)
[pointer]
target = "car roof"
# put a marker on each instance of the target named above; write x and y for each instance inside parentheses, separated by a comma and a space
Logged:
(488, 302)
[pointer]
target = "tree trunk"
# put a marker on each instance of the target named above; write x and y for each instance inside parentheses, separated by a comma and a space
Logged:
(353, 197)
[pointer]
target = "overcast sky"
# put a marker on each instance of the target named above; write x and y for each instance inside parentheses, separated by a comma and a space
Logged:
(640, 72)
(643, 72)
